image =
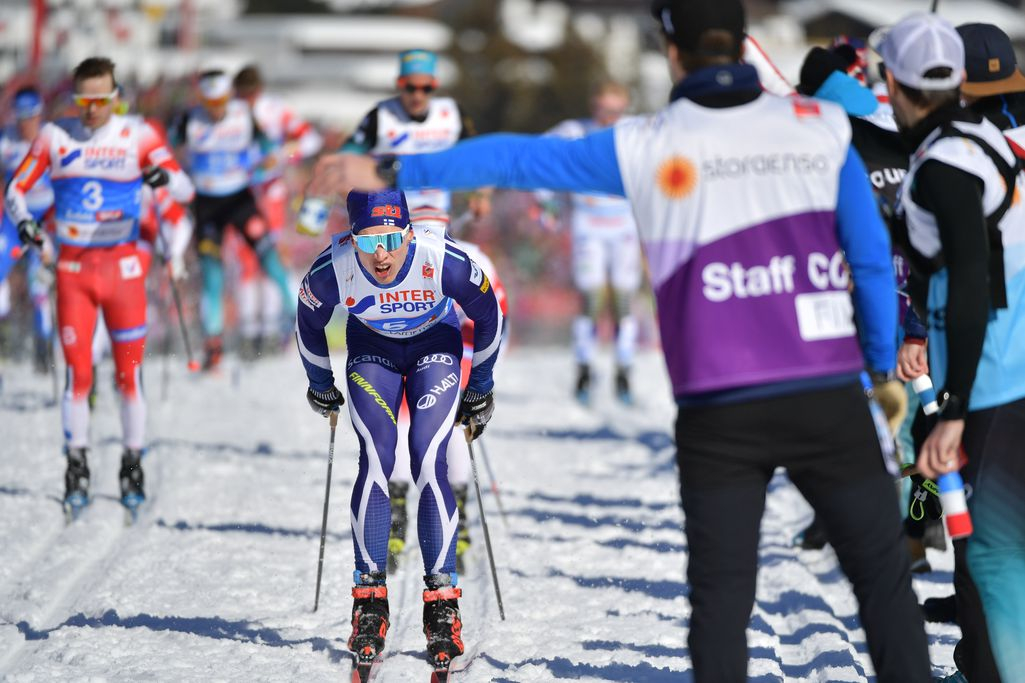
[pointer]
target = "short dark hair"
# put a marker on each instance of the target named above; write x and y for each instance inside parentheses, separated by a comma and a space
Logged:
(92, 67)
(248, 79)
(210, 73)
(932, 99)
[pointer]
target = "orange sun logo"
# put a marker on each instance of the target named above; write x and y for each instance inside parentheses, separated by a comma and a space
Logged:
(676, 177)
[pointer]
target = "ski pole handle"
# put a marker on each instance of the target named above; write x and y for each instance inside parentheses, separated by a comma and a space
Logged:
(926, 394)
(955, 506)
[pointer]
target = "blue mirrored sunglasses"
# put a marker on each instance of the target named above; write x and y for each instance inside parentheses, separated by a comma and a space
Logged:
(389, 240)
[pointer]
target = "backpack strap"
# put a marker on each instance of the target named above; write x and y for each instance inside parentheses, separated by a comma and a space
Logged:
(1009, 172)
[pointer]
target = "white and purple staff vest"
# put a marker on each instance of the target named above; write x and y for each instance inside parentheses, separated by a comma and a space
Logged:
(736, 208)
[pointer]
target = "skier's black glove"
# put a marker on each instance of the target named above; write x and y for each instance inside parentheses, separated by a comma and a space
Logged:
(475, 411)
(30, 232)
(325, 402)
(155, 176)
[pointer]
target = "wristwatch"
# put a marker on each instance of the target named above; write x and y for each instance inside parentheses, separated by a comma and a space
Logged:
(952, 407)
(388, 167)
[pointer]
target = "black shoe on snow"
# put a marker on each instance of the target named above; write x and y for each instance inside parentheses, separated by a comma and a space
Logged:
(443, 624)
(940, 610)
(370, 620)
(397, 492)
(132, 494)
(76, 482)
(583, 388)
(623, 386)
(813, 537)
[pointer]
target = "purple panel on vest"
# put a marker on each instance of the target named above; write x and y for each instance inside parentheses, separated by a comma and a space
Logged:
(767, 304)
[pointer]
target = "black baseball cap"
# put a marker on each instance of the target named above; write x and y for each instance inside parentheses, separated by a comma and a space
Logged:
(685, 21)
(990, 64)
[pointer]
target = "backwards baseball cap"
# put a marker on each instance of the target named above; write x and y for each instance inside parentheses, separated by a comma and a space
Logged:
(990, 63)
(215, 85)
(367, 209)
(919, 43)
(27, 103)
(417, 62)
(685, 21)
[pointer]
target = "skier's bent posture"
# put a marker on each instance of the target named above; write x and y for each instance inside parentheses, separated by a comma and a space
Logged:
(399, 287)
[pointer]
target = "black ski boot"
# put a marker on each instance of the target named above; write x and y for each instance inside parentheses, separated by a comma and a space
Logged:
(443, 624)
(370, 617)
(397, 492)
(76, 482)
(132, 494)
(623, 386)
(462, 531)
(583, 390)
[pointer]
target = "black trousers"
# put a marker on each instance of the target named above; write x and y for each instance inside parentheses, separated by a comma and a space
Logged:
(827, 441)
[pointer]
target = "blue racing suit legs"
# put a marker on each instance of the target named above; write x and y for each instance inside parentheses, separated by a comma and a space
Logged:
(379, 371)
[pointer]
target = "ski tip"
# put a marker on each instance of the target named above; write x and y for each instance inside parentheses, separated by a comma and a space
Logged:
(442, 664)
(74, 505)
(363, 669)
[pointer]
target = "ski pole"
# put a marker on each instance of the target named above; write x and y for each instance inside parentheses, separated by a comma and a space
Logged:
(494, 481)
(193, 363)
(484, 525)
(327, 498)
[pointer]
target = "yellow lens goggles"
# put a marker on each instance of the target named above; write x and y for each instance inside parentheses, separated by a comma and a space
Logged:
(82, 100)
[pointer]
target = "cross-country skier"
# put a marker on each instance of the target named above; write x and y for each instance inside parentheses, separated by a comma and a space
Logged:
(966, 240)
(224, 146)
(748, 206)
(14, 145)
(415, 120)
(605, 251)
(399, 287)
(292, 140)
(98, 164)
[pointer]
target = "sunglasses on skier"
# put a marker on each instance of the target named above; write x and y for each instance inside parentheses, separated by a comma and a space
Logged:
(84, 101)
(391, 241)
(425, 89)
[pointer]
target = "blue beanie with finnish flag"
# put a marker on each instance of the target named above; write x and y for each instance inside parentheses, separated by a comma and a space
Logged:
(385, 207)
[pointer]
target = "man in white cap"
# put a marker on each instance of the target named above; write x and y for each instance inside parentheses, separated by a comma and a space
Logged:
(223, 146)
(966, 240)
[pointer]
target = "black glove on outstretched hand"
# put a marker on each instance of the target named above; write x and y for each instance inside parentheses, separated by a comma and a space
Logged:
(30, 231)
(325, 402)
(475, 411)
(155, 176)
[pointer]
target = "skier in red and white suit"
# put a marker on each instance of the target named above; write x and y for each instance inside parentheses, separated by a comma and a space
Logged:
(98, 164)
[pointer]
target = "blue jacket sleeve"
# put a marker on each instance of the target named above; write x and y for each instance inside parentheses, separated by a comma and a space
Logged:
(468, 285)
(866, 245)
(318, 296)
(520, 162)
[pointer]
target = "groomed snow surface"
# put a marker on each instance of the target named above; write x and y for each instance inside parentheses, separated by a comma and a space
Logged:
(216, 580)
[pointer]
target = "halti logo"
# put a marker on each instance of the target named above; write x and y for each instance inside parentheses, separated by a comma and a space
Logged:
(75, 153)
(429, 399)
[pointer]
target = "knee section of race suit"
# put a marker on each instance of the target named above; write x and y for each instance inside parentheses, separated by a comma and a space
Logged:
(590, 303)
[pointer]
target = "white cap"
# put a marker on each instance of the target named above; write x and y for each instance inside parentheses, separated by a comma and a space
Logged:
(920, 42)
(215, 86)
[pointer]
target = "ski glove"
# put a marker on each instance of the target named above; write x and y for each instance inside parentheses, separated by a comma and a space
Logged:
(29, 231)
(475, 411)
(325, 402)
(155, 176)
